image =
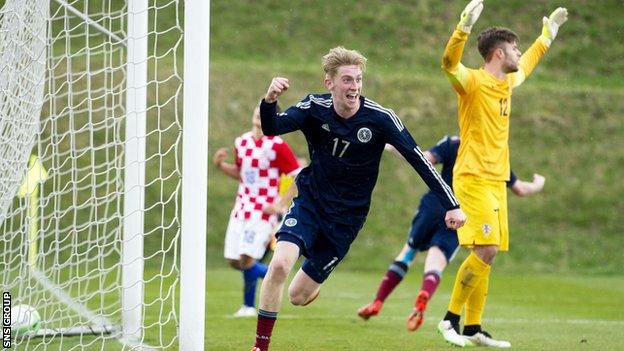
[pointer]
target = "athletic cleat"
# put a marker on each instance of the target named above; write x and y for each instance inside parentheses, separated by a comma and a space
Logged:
(245, 311)
(417, 317)
(372, 309)
(451, 336)
(255, 349)
(483, 338)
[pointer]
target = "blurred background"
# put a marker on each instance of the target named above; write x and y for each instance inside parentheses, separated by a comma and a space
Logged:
(566, 121)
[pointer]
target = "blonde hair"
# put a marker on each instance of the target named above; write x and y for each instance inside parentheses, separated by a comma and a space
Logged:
(339, 56)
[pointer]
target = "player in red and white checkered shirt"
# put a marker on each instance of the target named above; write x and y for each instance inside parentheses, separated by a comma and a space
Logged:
(259, 162)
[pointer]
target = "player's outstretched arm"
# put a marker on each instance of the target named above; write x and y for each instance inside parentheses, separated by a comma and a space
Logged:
(455, 218)
(470, 15)
(407, 147)
(457, 74)
(428, 155)
(228, 168)
(523, 188)
(552, 23)
(277, 87)
(532, 56)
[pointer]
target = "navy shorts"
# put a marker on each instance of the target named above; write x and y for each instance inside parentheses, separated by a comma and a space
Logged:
(324, 243)
(428, 229)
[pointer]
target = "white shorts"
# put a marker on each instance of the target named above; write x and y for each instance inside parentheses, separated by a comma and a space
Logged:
(246, 237)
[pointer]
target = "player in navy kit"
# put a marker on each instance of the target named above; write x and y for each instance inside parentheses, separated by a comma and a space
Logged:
(429, 233)
(346, 134)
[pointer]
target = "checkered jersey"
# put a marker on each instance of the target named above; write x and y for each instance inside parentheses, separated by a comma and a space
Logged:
(261, 162)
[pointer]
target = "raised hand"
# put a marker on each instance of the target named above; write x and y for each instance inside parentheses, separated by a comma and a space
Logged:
(277, 87)
(553, 22)
(470, 15)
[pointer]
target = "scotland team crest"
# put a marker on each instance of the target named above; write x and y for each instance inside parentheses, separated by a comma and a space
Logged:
(364, 135)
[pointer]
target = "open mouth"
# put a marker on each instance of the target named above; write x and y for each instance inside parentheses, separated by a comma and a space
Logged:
(352, 97)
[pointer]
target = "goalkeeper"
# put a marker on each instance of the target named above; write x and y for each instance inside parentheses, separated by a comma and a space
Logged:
(482, 166)
(428, 233)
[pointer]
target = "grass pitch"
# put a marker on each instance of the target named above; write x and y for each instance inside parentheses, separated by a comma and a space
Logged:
(533, 312)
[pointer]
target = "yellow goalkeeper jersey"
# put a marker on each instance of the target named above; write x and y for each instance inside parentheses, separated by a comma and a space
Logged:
(484, 110)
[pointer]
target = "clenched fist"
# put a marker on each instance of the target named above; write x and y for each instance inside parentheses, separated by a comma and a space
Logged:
(277, 87)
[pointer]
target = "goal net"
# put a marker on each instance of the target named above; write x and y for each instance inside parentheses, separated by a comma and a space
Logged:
(90, 170)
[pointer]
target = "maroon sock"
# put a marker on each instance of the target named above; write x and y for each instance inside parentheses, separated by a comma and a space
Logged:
(430, 283)
(264, 329)
(393, 277)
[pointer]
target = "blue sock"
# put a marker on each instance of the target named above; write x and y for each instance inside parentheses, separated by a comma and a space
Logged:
(262, 269)
(250, 278)
(249, 289)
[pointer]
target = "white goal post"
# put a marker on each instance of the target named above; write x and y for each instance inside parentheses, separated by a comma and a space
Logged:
(103, 171)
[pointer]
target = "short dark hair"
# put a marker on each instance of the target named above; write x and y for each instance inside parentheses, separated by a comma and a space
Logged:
(491, 38)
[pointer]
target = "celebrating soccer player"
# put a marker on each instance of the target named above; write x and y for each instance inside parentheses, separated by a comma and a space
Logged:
(259, 162)
(482, 165)
(346, 134)
(428, 233)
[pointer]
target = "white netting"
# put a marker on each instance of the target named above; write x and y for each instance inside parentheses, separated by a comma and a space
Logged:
(22, 74)
(63, 98)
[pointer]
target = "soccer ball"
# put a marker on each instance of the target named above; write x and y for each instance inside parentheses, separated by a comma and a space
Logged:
(24, 319)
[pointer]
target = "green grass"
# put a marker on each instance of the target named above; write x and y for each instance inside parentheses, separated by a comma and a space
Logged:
(535, 312)
(410, 36)
(566, 133)
(565, 122)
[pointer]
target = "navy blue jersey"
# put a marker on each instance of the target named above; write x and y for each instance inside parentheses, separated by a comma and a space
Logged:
(345, 153)
(445, 152)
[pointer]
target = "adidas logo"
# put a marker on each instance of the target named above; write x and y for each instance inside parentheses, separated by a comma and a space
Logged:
(325, 126)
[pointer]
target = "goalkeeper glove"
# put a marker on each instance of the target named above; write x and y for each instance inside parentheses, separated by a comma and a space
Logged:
(470, 15)
(552, 24)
